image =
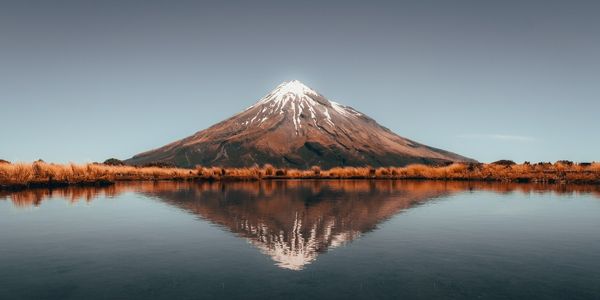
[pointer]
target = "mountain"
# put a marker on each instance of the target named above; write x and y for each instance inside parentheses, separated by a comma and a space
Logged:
(294, 126)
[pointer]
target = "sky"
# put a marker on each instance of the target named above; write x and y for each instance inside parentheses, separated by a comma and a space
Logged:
(84, 81)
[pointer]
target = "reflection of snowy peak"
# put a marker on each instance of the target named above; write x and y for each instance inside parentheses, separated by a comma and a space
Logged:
(294, 126)
(301, 245)
(293, 222)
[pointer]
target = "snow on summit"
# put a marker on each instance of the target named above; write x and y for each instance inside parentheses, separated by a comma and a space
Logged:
(289, 91)
(294, 87)
(301, 103)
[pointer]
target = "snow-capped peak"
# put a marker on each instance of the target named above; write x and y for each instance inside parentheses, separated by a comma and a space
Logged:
(301, 104)
(289, 91)
(294, 87)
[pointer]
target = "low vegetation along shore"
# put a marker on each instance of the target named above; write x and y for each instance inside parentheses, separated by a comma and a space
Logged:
(42, 174)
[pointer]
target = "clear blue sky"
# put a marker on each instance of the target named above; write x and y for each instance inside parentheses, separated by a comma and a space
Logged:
(88, 80)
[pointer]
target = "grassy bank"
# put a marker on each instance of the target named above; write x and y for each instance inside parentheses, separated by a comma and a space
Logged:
(41, 174)
(23, 175)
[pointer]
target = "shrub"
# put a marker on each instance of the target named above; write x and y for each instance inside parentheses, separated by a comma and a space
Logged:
(372, 172)
(269, 170)
(444, 163)
(504, 162)
(113, 162)
(382, 172)
(159, 164)
(474, 166)
(316, 170)
(565, 162)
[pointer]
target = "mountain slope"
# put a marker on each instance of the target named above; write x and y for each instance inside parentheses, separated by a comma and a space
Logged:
(294, 126)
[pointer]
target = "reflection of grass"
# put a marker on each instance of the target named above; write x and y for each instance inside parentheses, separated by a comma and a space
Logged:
(41, 173)
(420, 188)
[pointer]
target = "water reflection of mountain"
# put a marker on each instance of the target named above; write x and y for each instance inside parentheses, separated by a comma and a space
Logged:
(294, 221)
(291, 221)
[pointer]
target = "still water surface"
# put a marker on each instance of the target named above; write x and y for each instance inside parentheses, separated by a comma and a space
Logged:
(301, 239)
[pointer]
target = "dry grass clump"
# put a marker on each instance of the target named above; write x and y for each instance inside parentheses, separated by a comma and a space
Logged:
(245, 173)
(348, 172)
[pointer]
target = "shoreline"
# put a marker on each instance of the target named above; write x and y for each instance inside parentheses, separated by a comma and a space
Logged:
(47, 175)
(106, 183)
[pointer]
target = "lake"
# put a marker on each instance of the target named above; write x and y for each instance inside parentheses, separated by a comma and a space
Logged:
(301, 240)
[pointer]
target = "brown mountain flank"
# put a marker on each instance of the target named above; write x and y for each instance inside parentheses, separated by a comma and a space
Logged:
(294, 126)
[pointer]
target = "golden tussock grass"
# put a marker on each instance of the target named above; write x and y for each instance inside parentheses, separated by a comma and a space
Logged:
(42, 173)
